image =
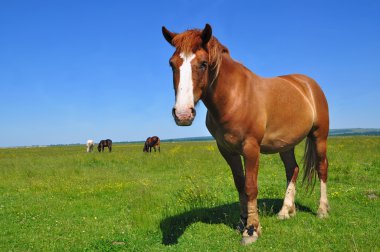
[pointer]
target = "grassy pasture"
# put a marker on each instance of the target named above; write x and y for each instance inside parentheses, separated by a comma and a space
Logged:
(183, 199)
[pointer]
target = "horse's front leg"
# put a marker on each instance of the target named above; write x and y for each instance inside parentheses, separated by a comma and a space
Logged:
(234, 161)
(251, 152)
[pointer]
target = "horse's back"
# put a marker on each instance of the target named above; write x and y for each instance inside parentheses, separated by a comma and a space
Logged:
(316, 97)
(106, 142)
(155, 140)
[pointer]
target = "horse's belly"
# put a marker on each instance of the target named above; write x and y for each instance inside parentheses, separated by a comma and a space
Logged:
(273, 143)
(286, 130)
(274, 146)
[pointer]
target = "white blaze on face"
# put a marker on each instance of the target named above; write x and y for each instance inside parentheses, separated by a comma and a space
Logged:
(185, 95)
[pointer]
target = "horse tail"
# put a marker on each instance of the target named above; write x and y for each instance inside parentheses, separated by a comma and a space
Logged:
(310, 164)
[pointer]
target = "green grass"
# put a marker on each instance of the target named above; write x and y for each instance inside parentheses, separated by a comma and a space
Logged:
(182, 199)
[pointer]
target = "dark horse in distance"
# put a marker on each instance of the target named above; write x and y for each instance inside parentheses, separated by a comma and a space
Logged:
(152, 142)
(248, 115)
(105, 143)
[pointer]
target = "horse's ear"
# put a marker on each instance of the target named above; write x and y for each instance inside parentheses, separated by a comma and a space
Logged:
(206, 34)
(168, 35)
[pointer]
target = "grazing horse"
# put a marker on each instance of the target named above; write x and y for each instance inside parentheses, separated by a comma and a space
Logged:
(150, 142)
(105, 143)
(248, 115)
(90, 145)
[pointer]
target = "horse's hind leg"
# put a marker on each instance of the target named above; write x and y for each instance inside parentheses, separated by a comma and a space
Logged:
(291, 167)
(321, 144)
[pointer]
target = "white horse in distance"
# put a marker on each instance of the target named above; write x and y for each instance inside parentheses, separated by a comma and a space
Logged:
(90, 145)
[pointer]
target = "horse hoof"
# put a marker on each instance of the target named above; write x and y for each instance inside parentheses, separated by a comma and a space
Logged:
(286, 215)
(322, 214)
(250, 235)
(323, 211)
(246, 240)
(283, 216)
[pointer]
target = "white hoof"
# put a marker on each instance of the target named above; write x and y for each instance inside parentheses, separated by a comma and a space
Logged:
(283, 216)
(323, 210)
(250, 237)
(246, 240)
(286, 213)
(322, 213)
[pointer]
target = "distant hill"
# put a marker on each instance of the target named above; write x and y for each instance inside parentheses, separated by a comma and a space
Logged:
(354, 132)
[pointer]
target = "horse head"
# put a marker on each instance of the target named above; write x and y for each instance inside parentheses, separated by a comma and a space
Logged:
(191, 64)
(146, 145)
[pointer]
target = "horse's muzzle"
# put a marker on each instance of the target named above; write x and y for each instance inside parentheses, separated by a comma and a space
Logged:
(184, 117)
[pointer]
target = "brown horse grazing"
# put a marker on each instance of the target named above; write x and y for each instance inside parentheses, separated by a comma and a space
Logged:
(105, 143)
(152, 142)
(249, 115)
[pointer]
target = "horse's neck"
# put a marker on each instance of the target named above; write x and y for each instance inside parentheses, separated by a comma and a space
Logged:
(229, 86)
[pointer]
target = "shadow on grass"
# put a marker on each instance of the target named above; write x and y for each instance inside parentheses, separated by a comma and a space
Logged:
(173, 227)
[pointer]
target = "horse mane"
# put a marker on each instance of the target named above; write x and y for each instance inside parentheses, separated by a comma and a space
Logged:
(191, 41)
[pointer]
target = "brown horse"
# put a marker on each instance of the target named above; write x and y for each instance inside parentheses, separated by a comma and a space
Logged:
(152, 142)
(105, 143)
(249, 115)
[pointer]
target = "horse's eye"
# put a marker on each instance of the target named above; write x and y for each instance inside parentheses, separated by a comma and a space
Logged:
(203, 65)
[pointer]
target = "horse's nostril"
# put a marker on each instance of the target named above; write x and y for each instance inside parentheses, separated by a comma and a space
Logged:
(173, 112)
(193, 111)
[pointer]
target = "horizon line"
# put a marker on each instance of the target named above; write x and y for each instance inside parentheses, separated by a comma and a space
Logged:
(332, 132)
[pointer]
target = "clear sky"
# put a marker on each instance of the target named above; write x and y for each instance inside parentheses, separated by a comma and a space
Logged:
(77, 70)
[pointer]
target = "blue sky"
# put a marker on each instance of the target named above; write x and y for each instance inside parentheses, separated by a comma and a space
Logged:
(75, 70)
